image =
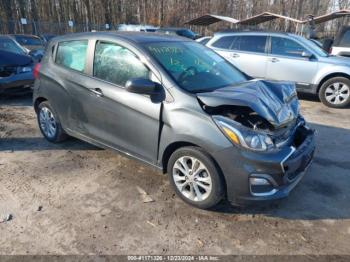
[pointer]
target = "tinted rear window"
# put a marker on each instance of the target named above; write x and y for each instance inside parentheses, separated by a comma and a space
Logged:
(345, 40)
(252, 43)
(224, 42)
(204, 41)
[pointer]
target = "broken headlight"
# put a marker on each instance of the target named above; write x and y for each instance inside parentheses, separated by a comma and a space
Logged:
(243, 136)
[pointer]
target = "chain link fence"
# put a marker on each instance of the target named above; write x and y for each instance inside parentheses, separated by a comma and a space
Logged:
(39, 27)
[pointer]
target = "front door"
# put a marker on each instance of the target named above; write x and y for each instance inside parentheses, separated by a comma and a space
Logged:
(113, 116)
(286, 62)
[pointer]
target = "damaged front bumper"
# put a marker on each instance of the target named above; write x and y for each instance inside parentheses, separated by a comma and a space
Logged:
(258, 176)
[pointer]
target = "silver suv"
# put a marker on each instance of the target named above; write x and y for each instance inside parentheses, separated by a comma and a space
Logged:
(284, 56)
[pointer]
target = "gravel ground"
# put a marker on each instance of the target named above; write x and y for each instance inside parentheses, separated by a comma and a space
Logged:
(74, 198)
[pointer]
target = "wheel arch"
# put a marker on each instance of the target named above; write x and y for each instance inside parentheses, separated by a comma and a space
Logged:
(171, 148)
(38, 101)
(329, 76)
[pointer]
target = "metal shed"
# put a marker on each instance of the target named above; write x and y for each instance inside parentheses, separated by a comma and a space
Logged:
(209, 19)
(330, 16)
(266, 17)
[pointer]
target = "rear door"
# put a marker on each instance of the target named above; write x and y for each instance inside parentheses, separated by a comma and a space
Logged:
(287, 63)
(251, 55)
(108, 113)
(246, 52)
(64, 81)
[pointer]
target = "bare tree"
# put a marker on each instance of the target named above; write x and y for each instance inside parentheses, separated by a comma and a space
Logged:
(88, 13)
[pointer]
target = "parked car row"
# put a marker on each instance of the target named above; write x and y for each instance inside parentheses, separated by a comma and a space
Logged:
(18, 56)
(223, 121)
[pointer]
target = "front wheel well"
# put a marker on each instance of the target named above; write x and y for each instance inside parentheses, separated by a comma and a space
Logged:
(331, 76)
(37, 102)
(175, 146)
(170, 150)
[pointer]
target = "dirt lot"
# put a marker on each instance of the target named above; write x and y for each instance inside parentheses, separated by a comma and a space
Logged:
(74, 198)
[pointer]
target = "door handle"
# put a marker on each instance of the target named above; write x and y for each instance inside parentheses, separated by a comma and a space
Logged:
(274, 60)
(97, 91)
(234, 55)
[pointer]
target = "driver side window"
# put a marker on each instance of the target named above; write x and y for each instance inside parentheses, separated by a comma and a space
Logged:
(117, 64)
(286, 47)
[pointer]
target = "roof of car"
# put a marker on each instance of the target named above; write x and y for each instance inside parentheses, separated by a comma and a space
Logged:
(248, 32)
(25, 35)
(173, 28)
(136, 37)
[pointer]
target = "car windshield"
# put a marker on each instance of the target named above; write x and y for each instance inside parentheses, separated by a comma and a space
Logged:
(28, 40)
(195, 67)
(10, 46)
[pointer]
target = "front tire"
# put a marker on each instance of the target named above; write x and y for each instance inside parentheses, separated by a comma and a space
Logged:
(195, 177)
(335, 92)
(49, 123)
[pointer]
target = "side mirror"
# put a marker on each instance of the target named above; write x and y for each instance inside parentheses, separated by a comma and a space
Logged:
(141, 86)
(37, 54)
(306, 54)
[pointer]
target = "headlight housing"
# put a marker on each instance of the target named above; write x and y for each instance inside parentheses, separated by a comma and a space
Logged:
(243, 136)
(24, 69)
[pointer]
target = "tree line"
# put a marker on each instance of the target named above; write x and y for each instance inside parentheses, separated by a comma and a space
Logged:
(160, 12)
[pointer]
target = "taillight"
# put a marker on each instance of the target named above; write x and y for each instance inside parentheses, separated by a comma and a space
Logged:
(36, 70)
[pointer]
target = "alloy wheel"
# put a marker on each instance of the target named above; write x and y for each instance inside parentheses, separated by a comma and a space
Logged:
(47, 122)
(337, 93)
(192, 178)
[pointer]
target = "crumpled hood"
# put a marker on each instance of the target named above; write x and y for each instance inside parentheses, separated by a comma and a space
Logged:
(277, 102)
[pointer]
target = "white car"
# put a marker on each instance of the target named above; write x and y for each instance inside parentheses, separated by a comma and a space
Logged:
(288, 57)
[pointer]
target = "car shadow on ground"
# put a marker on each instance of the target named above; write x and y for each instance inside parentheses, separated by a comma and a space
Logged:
(308, 97)
(40, 143)
(16, 100)
(324, 192)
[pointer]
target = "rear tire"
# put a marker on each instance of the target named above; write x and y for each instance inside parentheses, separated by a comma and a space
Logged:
(195, 177)
(335, 92)
(49, 123)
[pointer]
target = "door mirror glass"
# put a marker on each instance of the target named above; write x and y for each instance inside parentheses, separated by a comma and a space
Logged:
(306, 54)
(141, 86)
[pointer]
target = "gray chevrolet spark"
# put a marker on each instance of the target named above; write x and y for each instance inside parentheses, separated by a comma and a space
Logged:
(176, 105)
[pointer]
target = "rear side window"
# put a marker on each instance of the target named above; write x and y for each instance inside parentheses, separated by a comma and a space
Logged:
(224, 42)
(286, 47)
(72, 54)
(204, 41)
(345, 40)
(117, 64)
(252, 43)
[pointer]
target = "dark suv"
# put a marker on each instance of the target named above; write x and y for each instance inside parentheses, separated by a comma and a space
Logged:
(178, 106)
(178, 31)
